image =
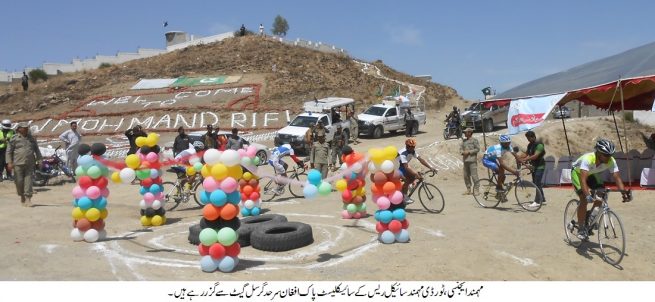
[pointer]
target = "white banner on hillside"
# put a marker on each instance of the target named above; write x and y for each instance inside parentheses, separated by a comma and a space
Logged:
(153, 83)
(525, 114)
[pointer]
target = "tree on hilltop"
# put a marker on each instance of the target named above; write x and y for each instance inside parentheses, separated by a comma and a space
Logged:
(280, 26)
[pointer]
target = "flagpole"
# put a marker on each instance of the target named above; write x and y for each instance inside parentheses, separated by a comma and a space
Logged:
(566, 136)
(625, 135)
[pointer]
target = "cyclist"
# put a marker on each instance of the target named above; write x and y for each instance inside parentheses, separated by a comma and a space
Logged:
(406, 155)
(183, 159)
(279, 166)
(586, 176)
(493, 160)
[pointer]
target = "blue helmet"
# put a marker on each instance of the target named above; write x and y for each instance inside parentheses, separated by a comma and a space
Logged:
(505, 138)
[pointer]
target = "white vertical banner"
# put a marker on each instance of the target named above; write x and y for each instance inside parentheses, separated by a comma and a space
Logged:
(525, 114)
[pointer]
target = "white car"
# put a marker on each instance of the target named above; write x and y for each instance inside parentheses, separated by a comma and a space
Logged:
(262, 151)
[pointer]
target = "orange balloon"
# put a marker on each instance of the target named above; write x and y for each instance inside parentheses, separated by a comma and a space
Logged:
(399, 185)
(247, 189)
(229, 211)
(357, 156)
(376, 189)
(211, 212)
(388, 187)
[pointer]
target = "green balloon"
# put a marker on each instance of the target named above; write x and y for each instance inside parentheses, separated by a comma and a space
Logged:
(351, 208)
(207, 236)
(94, 172)
(325, 188)
(227, 236)
(105, 171)
(79, 171)
(142, 174)
(197, 166)
(256, 161)
(362, 207)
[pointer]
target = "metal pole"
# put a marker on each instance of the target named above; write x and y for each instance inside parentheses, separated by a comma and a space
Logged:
(566, 136)
(616, 126)
(625, 135)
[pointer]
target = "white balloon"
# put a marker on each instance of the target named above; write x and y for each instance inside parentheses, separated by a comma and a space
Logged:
(343, 167)
(212, 156)
(91, 235)
(156, 204)
(230, 158)
(357, 167)
(194, 159)
(249, 204)
(127, 175)
(372, 168)
(142, 204)
(387, 166)
(76, 235)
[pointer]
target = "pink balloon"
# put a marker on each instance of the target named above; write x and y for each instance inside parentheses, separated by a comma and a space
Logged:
(229, 185)
(104, 192)
(383, 202)
(357, 215)
(347, 195)
(252, 151)
(210, 184)
(159, 196)
(345, 214)
(242, 152)
(396, 197)
(141, 156)
(78, 192)
(152, 157)
(93, 192)
(254, 196)
(149, 197)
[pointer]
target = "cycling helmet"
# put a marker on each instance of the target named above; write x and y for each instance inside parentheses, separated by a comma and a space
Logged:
(6, 124)
(605, 147)
(505, 138)
(410, 142)
(198, 145)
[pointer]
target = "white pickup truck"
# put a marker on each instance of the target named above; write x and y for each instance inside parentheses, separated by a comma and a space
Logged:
(388, 116)
(326, 110)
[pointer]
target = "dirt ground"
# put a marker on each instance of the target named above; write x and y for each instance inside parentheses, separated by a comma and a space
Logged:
(464, 242)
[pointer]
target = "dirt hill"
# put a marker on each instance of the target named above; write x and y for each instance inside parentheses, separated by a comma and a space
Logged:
(288, 75)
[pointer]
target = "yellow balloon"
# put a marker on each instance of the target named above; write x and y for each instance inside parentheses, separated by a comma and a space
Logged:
(377, 156)
(92, 214)
(152, 139)
(341, 185)
(116, 177)
(205, 171)
(190, 171)
(247, 176)
(157, 220)
(361, 191)
(235, 172)
(219, 171)
(104, 213)
(145, 221)
(140, 141)
(390, 152)
(78, 213)
(133, 161)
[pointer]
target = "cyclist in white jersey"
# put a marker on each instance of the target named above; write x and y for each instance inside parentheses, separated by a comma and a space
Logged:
(493, 160)
(279, 165)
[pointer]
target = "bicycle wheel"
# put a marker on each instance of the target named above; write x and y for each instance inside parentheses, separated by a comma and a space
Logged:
(611, 237)
(197, 189)
(172, 195)
(571, 223)
(431, 198)
(527, 194)
(295, 189)
(486, 196)
(268, 192)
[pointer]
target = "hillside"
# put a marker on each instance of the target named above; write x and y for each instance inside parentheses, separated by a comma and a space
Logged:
(287, 74)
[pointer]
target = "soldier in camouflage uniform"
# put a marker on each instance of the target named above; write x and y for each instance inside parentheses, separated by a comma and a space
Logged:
(469, 150)
(22, 156)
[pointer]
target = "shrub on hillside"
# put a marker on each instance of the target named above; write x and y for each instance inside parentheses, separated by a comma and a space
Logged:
(37, 74)
(104, 65)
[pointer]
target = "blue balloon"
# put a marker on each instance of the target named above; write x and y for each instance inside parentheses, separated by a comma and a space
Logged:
(84, 160)
(234, 197)
(84, 203)
(376, 215)
(155, 188)
(204, 197)
(100, 203)
(310, 191)
(207, 264)
(402, 236)
(399, 214)
(143, 190)
(226, 264)
(245, 212)
(385, 216)
(74, 203)
(387, 237)
(255, 211)
(218, 198)
(314, 177)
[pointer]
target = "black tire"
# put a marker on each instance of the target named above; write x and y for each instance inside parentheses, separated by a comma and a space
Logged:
(249, 224)
(445, 134)
(377, 132)
(486, 195)
(431, 198)
(262, 156)
(172, 195)
(571, 223)
(268, 191)
(295, 190)
(611, 237)
(194, 234)
(283, 236)
(488, 125)
(527, 194)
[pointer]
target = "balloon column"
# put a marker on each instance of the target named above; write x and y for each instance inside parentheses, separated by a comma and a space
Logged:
(315, 185)
(351, 186)
(90, 203)
(391, 221)
(218, 238)
(249, 184)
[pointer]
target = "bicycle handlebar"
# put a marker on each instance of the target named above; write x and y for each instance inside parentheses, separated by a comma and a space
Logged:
(429, 173)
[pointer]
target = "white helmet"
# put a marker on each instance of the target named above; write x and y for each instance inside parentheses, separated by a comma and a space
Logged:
(6, 124)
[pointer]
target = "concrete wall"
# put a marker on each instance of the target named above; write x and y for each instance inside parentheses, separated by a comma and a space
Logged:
(205, 40)
(87, 64)
(316, 45)
(645, 117)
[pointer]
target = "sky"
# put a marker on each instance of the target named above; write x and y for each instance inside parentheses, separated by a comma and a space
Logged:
(466, 45)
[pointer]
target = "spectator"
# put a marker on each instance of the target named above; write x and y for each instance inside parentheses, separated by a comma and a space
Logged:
(181, 142)
(209, 139)
(535, 156)
(25, 81)
(469, 150)
(319, 130)
(22, 156)
(338, 142)
(221, 140)
(242, 30)
(5, 135)
(132, 134)
(318, 157)
(261, 29)
(409, 122)
(72, 140)
(235, 142)
(354, 127)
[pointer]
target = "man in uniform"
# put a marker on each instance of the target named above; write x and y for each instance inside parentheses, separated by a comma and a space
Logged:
(338, 141)
(5, 135)
(318, 157)
(469, 150)
(22, 156)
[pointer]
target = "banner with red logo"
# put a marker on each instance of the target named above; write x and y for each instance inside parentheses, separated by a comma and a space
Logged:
(525, 114)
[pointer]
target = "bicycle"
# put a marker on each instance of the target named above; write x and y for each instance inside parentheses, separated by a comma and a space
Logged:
(526, 192)
(427, 193)
(270, 189)
(611, 237)
(179, 192)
